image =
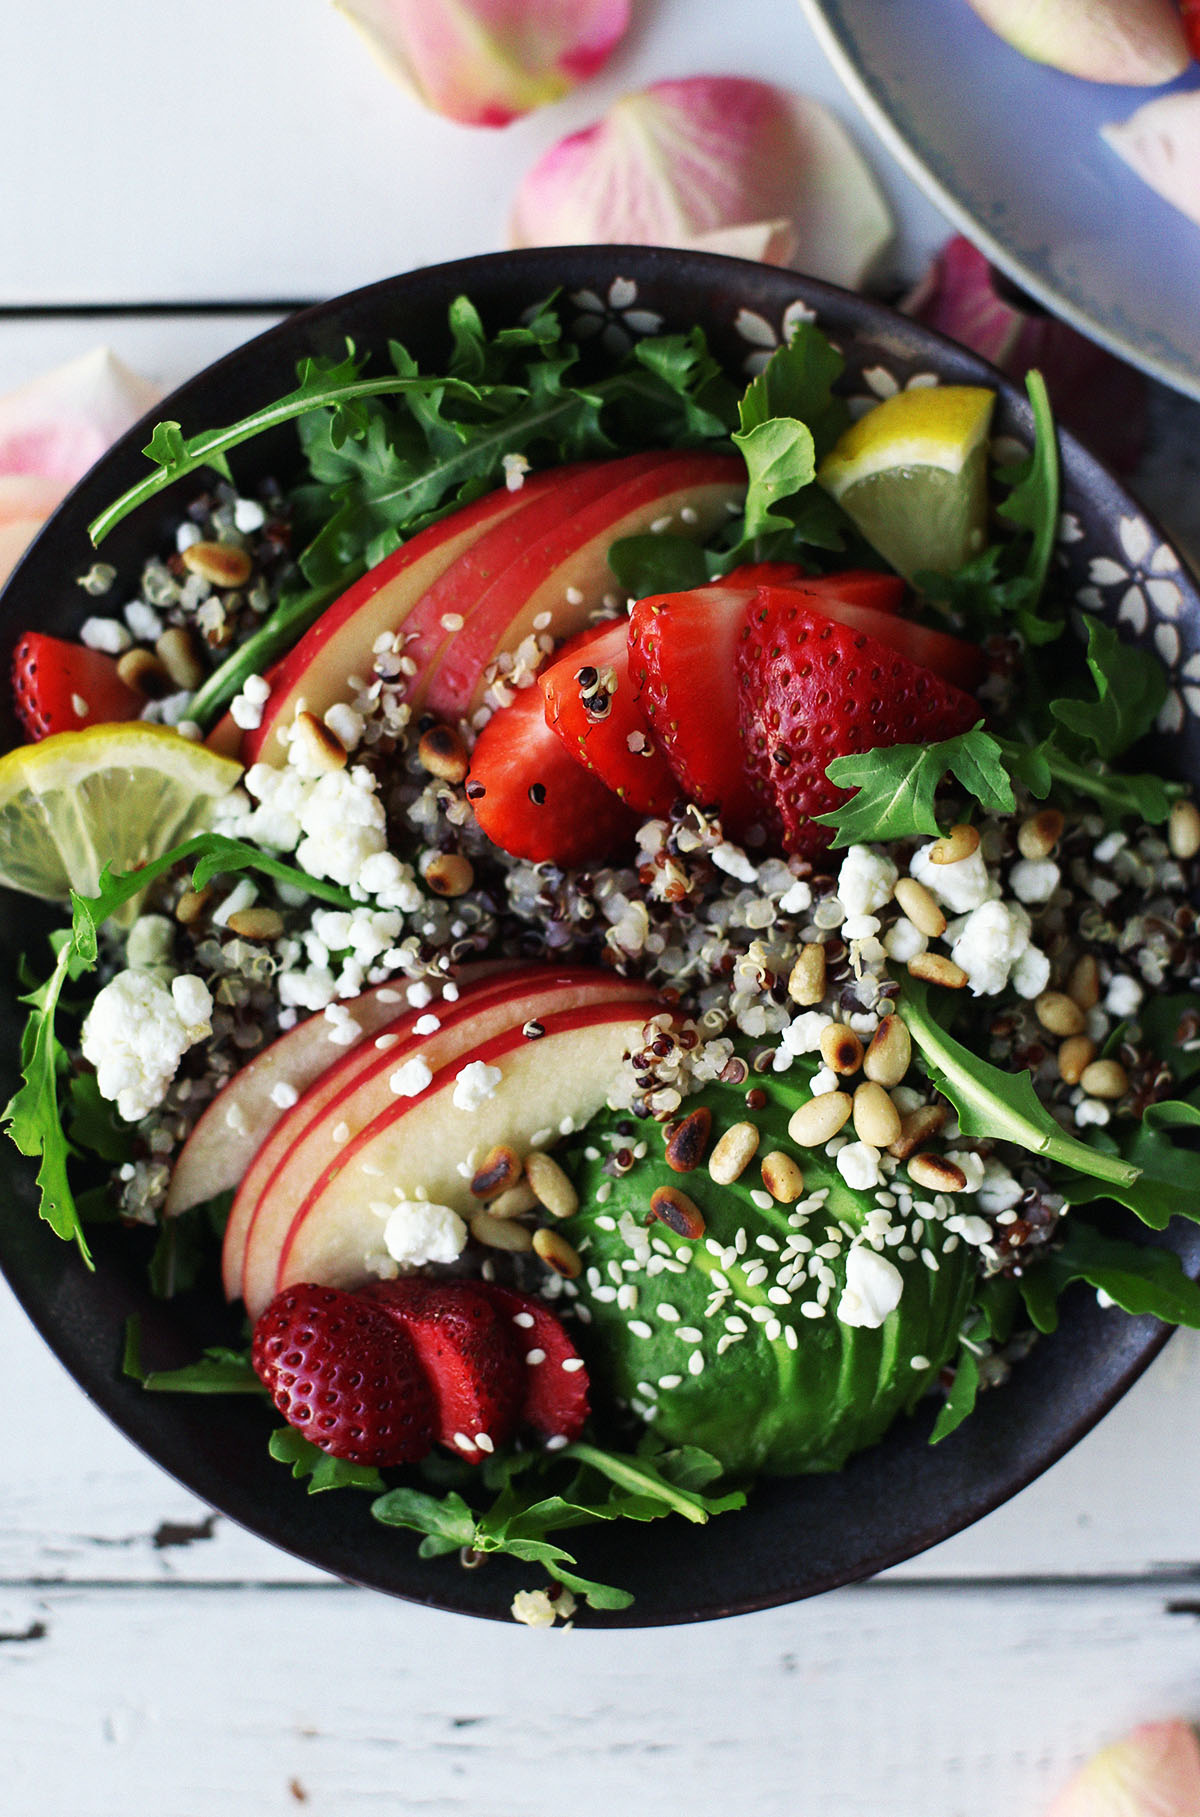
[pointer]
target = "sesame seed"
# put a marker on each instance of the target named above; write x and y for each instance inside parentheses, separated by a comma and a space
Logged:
(761, 1315)
(383, 1042)
(627, 1297)
(524, 1319)
(606, 1295)
(452, 621)
(572, 1364)
(603, 1195)
(778, 1296)
(534, 1357)
(640, 1329)
(689, 1335)
(723, 1344)
(341, 1132)
(906, 1253)
(710, 1243)
(670, 1381)
(696, 1363)
(606, 1223)
(734, 1323)
(918, 1362)
(463, 1442)
(812, 1309)
(559, 1442)
(790, 1338)
(930, 1261)
(756, 1274)
(762, 1200)
(484, 1442)
(614, 1273)
(666, 1311)
(720, 1281)
(741, 1242)
(774, 1331)
(765, 1242)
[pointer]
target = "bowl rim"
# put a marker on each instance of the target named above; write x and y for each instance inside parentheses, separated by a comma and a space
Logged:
(45, 1274)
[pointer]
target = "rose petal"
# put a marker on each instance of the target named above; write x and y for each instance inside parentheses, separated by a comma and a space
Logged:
(766, 242)
(484, 62)
(15, 537)
(1097, 395)
(1136, 42)
(1153, 1772)
(58, 425)
(685, 160)
(1161, 142)
(28, 495)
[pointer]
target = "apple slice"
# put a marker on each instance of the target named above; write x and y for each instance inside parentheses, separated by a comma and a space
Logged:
(341, 642)
(417, 1145)
(355, 1099)
(560, 581)
(336, 1080)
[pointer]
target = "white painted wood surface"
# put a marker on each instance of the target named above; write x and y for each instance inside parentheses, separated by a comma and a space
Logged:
(155, 1658)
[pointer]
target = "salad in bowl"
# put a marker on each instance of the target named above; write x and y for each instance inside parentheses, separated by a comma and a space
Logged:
(624, 936)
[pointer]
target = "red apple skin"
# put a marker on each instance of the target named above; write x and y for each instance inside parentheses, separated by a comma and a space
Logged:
(335, 1083)
(292, 1158)
(319, 1224)
(574, 559)
(340, 642)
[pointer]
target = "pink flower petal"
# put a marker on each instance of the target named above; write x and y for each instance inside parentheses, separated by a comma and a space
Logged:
(28, 495)
(486, 61)
(1161, 142)
(1136, 42)
(1097, 395)
(706, 155)
(15, 536)
(58, 425)
(1153, 1772)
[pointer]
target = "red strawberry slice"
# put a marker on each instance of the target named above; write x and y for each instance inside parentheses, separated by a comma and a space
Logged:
(345, 1375)
(590, 704)
(468, 1348)
(952, 658)
(811, 689)
(61, 687)
(854, 586)
(556, 1381)
(533, 799)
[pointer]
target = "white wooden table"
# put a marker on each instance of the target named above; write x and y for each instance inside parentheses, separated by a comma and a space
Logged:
(155, 1658)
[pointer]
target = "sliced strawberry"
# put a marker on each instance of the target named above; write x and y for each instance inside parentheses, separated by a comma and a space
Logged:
(952, 658)
(854, 586)
(61, 687)
(811, 689)
(556, 1382)
(590, 705)
(345, 1375)
(469, 1350)
(682, 651)
(533, 799)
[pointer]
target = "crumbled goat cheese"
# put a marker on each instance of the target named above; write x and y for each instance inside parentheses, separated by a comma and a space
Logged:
(797, 899)
(136, 1033)
(475, 1084)
(1034, 879)
(411, 1079)
(823, 1081)
(959, 887)
(858, 1164)
(515, 466)
(248, 516)
(1030, 973)
(990, 943)
(865, 881)
(733, 861)
(107, 634)
(284, 1095)
(904, 940)
(1091, 1111)
(417, 1232)
(1124, 996)
(143, 621)
(803, 1034)
(534, 1607)
(150, 945)
(346, 724)
(974, 1231)
(998, 1191)
(873, 1288)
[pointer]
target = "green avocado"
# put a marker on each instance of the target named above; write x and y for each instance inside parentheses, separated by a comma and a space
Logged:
(706, 1342)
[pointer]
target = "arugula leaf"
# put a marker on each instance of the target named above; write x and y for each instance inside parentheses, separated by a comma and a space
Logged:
(1131, 685)
(658, 564)
(288, 1446)
(895, 787)
(1118, 795)
(960, 1402)
(1168, 1184)
(1033, 500)
(666, 1479)
(798, 381)
(219, 1371)
(781, 460)
(1000, 1105)
(1139, 1278)
(94, 1124)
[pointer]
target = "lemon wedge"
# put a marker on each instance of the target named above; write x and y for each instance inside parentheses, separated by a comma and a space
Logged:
(113, 794)
(912, 476)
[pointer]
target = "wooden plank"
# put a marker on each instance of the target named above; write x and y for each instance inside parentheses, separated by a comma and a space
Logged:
(933, 1704)
(258, 150)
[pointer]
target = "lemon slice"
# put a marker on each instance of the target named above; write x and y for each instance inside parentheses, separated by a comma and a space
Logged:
(116, 794)
(912, 476)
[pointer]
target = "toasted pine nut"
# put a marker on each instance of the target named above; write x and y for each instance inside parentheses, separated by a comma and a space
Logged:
(192, 904)
(256, 923)
(1059, 1014)
(515, 1202)
(888, 1057)
(935, 968)
(449, 874)
(821, 1118)
(323, 750)
(552, 1249)
(782, 1177)
(841, 1049)
(551, 1185)
(499, 1170)
(688, 1140)
(1105, 1079)
(916, 1129)
(679, 1213)
(1083, 986)
(1183, 830)
(806, 981)
(876, 1119)
(959, 843)
(145, 674)
(936, 1173)
(443, 754)
(1038, 836)
(733, 1153)
(1076, 1053)
(221, 564)
(921, 907)
(504, 1233)
(179, 654)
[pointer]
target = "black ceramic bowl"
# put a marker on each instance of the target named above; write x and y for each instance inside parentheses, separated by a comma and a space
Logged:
(794, 1538)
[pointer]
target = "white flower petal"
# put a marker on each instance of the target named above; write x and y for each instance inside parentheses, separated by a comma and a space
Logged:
(1171, 713)
(621, 293)
(1165, 597)
(1132, 609)
(1136, 539)
(1166, 642)
(1107, 573)
(755, 328)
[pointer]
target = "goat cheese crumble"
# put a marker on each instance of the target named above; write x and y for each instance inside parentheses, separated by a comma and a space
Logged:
(136, 1033)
